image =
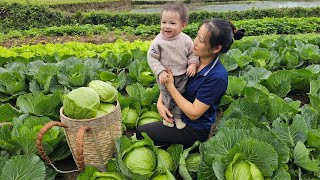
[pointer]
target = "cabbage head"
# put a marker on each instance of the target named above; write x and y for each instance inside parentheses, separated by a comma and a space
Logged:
(129, 117)
(141, 160)
(165, 160)
(81, 103)
(104, 109)
(161, 177)
(243, 170)
(147, 121)
(106, 91)
(193, 162)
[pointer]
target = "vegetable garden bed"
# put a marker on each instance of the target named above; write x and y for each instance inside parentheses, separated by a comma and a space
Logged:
(271, 102)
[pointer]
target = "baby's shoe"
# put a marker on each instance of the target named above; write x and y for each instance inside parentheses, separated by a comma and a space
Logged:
(166, 123)
(179, 123)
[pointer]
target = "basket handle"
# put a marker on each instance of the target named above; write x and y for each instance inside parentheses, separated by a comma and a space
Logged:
(41, 133)
(79, 147)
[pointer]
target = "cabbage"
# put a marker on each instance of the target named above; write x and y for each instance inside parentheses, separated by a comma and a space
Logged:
(81, 103)
(129, 117)
(146, 121)
(106, 91)
(193, 161)
(161, 177)
(148, 117)
(150, 114)
(243, 170)
(105, 108)
(165, 160)
(141, 160)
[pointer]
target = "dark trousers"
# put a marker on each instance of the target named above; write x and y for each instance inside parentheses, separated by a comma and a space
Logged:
(164, 136)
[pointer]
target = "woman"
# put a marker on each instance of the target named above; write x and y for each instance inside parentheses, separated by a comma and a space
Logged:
(203, 92)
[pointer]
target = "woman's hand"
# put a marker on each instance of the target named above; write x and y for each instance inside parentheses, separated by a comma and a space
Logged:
(165, 113)
(170, 80)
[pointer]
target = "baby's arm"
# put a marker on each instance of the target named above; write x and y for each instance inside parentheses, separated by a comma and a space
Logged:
(193, 60)
(153, 58)
(163, 77)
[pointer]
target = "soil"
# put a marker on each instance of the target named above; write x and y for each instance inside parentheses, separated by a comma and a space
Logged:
(109, 37)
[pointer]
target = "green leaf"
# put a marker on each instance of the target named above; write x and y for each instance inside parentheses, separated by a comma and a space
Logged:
(241, 108)
(221, 144)
(175, 150)
(8, 113)
(256, 75)
(293, 133)
(277, 106)
(280, 146)
(281, 173)
(279, 83)
(87, 173)
(183, 171)
(235, 86)
(40, 104)
(206, 172)
(301, 158)
(24, 167)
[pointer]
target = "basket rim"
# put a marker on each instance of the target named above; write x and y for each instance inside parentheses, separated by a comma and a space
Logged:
(84, 120)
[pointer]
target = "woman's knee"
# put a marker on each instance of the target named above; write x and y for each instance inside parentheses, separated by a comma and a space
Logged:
(139, 131)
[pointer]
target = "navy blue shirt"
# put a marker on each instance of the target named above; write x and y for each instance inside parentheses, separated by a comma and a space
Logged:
(208, 86)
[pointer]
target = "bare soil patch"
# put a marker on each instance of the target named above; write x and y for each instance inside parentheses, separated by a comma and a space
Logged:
(109, 37)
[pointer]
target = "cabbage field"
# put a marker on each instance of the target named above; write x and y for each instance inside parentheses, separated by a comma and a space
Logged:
(269, 118)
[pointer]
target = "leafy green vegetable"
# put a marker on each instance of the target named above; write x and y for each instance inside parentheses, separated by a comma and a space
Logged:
(243, 170)
(24, 167)
(137, 159)
(164, 161)
(81, 103)
(107, 176)
(141, 160)
(106, 91)
(193, 161)
(130, 117)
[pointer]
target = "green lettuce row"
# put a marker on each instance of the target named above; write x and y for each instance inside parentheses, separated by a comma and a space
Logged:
(253, 27)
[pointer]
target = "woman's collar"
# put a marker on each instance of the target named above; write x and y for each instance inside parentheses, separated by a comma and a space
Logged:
(205, 71)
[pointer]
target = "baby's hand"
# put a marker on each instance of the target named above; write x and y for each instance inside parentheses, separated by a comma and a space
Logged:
(163, 77)
(191, 71)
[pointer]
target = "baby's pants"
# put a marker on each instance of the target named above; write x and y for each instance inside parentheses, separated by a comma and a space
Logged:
(180, 83)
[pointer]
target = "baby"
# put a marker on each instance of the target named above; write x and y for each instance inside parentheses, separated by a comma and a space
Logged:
(172, 49)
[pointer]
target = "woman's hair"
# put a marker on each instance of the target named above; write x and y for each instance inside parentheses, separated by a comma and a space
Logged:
(178, 8)
(222, 32)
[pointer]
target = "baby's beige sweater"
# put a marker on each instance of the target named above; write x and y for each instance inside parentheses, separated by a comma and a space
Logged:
(171, 53)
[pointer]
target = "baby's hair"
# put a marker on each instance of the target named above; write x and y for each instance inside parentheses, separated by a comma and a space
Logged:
(179, 8)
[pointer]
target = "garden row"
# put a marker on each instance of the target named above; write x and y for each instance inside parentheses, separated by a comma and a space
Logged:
(23, 17)
(253, 28)
(261, 123)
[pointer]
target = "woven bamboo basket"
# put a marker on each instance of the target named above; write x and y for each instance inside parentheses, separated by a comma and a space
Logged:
(91, 141)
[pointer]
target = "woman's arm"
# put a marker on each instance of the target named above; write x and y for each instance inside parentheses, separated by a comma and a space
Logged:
(193, 110)
(163, 110)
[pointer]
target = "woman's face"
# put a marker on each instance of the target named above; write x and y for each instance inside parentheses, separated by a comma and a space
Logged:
(201, 44)
(171, 24)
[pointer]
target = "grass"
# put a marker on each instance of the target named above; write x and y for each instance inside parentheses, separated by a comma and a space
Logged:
(53, 2)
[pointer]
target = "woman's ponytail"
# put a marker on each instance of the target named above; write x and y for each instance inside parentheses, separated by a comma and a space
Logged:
(238, 34)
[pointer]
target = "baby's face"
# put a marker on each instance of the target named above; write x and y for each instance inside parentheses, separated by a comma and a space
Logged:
(171, 24)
